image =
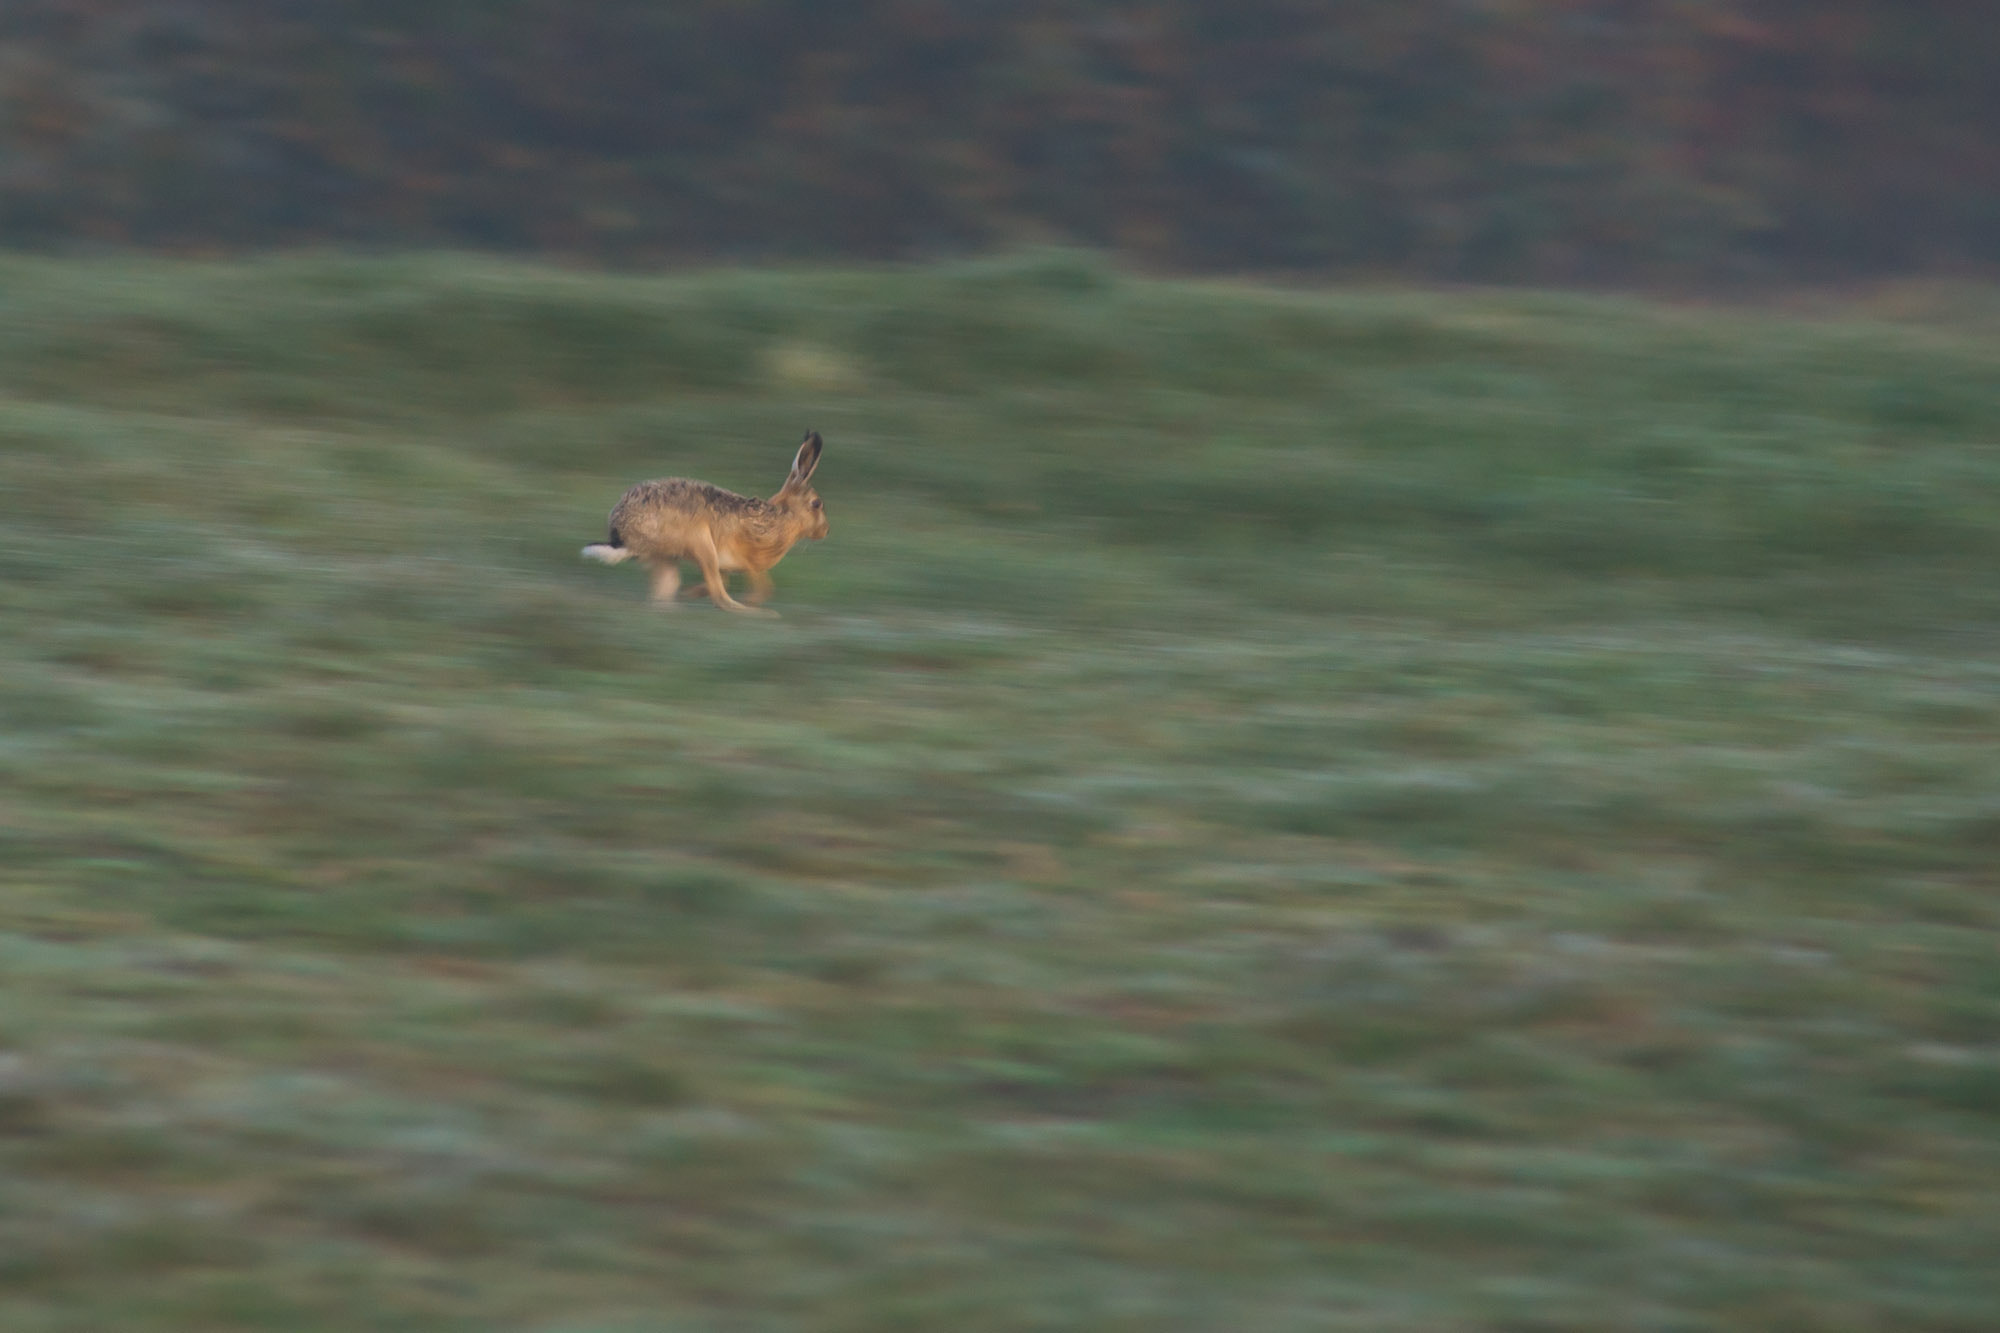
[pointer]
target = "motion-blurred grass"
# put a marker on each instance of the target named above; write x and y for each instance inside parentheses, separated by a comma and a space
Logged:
(1272, 810)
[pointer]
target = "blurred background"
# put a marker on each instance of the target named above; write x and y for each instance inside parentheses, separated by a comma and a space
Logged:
(1596, 141)
(1398, 729)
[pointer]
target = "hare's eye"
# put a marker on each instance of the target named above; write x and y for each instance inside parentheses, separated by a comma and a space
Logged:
(815, 504)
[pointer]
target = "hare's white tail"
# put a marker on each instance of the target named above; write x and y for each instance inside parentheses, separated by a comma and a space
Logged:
(609, 555)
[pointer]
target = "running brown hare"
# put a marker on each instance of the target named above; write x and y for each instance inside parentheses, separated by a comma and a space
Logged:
(661, 523)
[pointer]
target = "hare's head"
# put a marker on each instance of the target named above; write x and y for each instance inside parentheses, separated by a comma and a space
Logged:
(796, 497)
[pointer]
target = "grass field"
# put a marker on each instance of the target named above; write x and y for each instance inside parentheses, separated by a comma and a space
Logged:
(1272, 810)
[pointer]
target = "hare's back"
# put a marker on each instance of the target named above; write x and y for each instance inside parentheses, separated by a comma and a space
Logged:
(694, 497)
(657, 512)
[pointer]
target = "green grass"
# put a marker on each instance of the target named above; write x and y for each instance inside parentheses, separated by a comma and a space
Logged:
(1271, 810)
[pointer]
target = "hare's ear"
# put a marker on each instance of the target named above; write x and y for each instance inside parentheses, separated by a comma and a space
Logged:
(808, 459)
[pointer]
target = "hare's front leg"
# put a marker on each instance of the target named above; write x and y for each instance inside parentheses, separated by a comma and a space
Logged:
(760, 588)
(666, 582)
(718, 591)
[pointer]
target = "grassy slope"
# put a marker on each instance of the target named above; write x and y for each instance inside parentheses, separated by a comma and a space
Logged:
(1271, 811)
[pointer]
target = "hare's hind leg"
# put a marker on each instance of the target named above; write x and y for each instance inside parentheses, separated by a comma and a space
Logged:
(666, 581)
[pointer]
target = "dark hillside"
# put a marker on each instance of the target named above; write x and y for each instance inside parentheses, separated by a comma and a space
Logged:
(1597, 142)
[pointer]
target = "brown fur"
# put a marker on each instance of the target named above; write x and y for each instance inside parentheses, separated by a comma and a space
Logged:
(662, 523)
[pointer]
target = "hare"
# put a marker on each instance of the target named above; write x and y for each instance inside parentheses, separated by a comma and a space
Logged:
(661, 523)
